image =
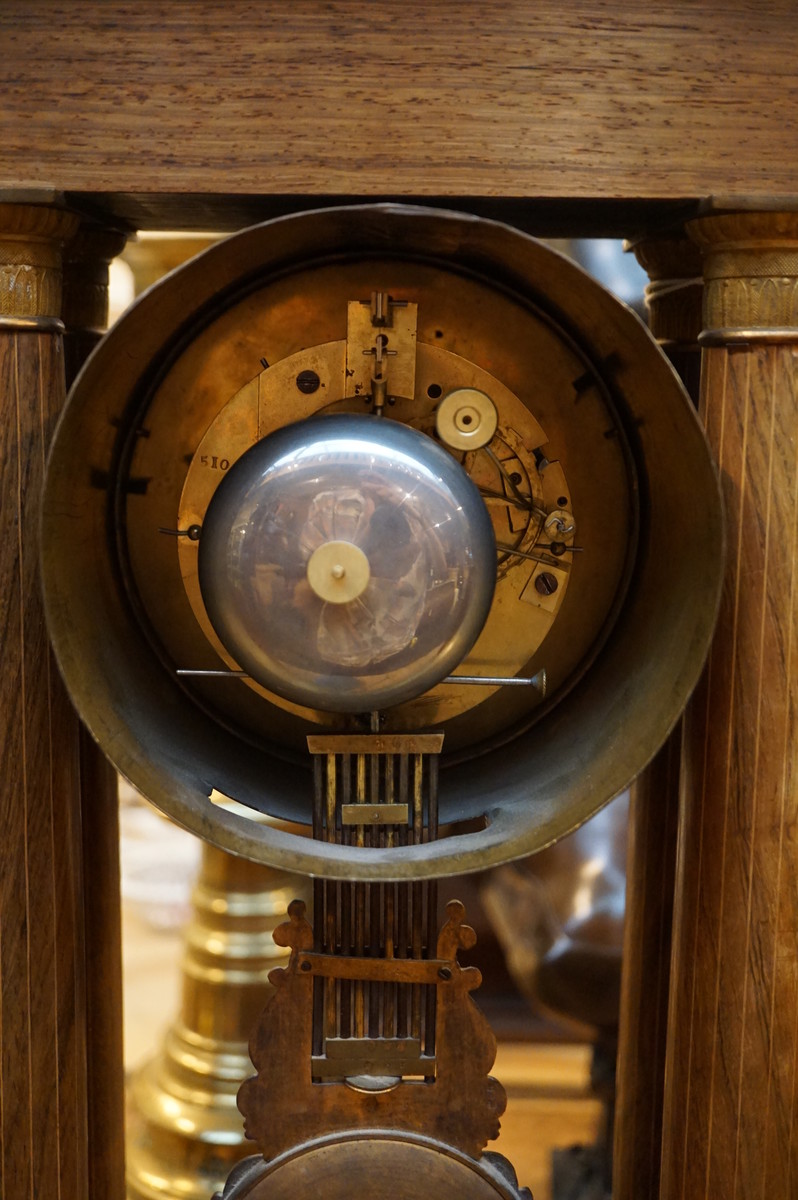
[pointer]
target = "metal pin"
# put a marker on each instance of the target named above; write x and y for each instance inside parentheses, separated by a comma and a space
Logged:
(486, 680)
(538, 557)
(221, 674)
(537, 681)
(192, 533)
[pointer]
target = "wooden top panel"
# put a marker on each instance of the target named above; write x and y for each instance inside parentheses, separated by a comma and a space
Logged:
(576, 99)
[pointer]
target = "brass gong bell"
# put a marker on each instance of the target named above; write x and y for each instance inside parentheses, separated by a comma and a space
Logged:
(347, 563)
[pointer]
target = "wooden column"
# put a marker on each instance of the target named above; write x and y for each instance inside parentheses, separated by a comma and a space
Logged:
(85, 313)
(651, 860)
(730, 1117)
(673, 298)
(43, 1080)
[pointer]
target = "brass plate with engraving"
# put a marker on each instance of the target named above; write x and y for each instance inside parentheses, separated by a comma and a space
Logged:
(505, 645)
(551, 437)
(370, 1056)
(374, 814)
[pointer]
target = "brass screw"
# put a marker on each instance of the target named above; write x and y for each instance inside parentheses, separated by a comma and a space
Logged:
(308, 382)
(546, 583)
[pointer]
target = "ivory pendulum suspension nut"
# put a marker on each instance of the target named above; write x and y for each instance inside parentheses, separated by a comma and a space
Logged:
(338, 572)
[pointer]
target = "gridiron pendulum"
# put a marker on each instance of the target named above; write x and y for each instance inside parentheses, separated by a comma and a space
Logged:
(371, 1026)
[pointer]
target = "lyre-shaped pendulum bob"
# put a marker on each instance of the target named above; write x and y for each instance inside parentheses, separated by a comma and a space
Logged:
(371, 1025)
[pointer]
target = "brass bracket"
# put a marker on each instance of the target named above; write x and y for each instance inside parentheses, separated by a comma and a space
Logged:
(379, 970)
(381, 349)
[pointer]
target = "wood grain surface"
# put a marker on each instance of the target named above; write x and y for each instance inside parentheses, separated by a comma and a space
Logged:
(587, 99)
(61, 1106)
(651, 862)
(85, 314)
(43, 1078)
(730, 1106)
(102, 934)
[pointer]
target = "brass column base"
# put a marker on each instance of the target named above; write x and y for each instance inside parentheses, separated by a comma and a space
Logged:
(184, 1132)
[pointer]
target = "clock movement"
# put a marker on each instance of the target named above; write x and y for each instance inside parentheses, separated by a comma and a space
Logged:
(392, 528)
(601, 495)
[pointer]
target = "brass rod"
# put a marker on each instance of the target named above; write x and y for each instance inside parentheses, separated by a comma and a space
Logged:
(375, 911)
(387, 839)
(330, 939)
(348, 900)
(339, 891)
(433, 797)
(432, 992)
(416, 902)
(374, 779)
(318, 984)
(401, 1017)
(403, 915)
(318, 905)
(360, 795)
(418, 798)
(432, 901)
(330, 797)
(330, 913)
(389, 762)
(318, 798)
(390, 939)
(360, 912)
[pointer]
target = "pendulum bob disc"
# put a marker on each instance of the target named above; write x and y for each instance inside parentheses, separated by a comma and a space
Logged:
(601, 496)
(382, 1166)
